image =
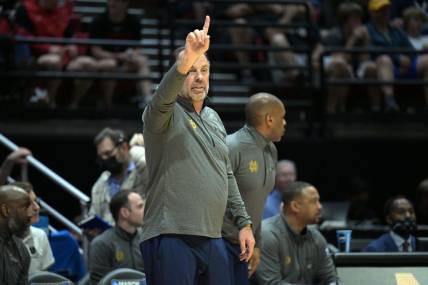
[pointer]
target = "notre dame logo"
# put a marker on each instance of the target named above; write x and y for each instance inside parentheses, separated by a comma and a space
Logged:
(120, 256)
(287, 260)
(192, 124)
(253, 166)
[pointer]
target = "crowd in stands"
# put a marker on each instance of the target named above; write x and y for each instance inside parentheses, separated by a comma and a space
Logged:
(57, 19)
(303, 34)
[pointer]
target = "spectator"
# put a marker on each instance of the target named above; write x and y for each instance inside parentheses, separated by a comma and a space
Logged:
(414, 19)
(117, 24)
(400, 216)
(15, 220)
(16, 157)
(379, 33)
(253, 157)
(47, 18)
(243, 13)
(293, 252)
(122, 169)
(289, 37)
(422, 202)
(296, 37)
(36, 240)
(339, 65)
(118, 247)
(286, 173)
(398, 8)
(191, 183)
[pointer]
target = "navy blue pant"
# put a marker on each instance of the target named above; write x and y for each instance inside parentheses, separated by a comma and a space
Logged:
(239, 268)
(185, 260)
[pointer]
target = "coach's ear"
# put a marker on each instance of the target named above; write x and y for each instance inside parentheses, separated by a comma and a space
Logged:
(295, 206)
(5, 212)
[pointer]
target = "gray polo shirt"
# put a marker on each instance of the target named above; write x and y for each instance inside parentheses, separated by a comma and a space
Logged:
(191, 184)
(293, 258)
(253, 159)
(114, 248)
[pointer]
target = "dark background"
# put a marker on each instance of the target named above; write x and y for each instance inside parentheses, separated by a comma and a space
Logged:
(387, 167)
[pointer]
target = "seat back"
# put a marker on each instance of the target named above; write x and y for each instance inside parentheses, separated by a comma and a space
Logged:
(45, 277)
(124, 276)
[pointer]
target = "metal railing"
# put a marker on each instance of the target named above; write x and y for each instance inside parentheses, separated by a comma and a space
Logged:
(76, 193)
(373, 52)
(173, 23)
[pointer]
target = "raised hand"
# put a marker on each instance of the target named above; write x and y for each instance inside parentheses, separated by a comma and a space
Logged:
(198, 41)
(18, 156)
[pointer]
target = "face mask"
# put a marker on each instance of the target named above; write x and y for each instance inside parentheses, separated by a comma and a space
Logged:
(110, 164)
(404, 228)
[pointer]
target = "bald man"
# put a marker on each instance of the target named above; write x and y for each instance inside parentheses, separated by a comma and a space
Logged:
(253, 157)
(15, 220)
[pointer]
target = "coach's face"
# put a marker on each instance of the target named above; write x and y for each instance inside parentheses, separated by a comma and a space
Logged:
(196, 85)
(309, 206)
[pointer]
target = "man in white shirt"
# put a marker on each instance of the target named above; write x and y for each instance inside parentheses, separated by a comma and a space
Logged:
(36, 240)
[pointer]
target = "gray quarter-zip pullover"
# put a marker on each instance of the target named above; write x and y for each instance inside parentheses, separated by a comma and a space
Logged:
(293, 258)
(191, 185)
(253, 160)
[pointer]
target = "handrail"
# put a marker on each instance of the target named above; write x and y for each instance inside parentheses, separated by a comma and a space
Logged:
(252, 2)
(129, 43)
(363, 81)
(80, 41)
(53, 212)
(223, 23)
(83, 198)
(75, 75)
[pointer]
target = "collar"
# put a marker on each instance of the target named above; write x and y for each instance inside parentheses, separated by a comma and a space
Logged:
(124, 234)
(5, 235)
(131, 167)
(31, 241)
(398, 240)
(298, 236)
(260, 140)
(188, 105)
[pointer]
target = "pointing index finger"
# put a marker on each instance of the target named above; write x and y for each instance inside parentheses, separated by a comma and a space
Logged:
(206, 24)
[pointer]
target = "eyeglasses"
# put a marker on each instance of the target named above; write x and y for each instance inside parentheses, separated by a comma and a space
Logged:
(108, 153)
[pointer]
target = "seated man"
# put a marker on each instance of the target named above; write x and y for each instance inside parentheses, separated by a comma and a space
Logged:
(49, 18)
(36, 240)
(339, 65)
(400, 215)
(118, 247)
(123, 168)
(288, 242)
(117, 24)
(15, 217)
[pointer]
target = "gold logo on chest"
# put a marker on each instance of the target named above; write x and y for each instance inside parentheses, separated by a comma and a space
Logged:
(253, 166)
